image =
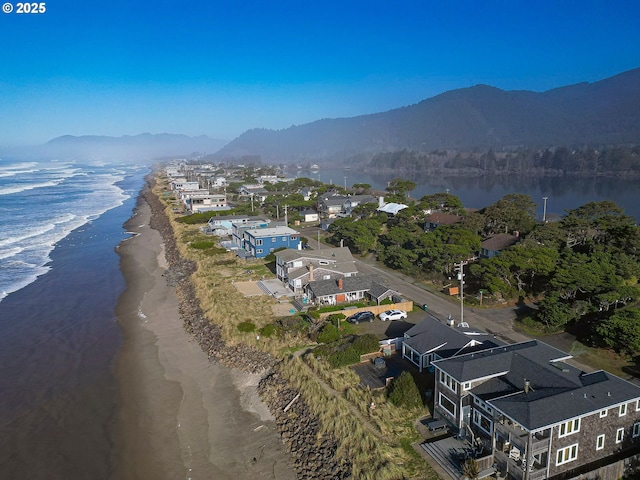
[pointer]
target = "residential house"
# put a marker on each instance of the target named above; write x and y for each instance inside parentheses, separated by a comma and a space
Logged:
(354, 200)
(432, 340)
(435, 219)
(299, 267)
(331, 205)
(251, 223)
(206, 202)
(262, 241)
(493, 245)
(343, 290)
(536, 414)
(256, 192)
(222, 225)
(182, 184)
(306, 193)
(309, 215)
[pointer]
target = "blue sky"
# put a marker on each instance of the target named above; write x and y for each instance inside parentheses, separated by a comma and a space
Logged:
(221, 67)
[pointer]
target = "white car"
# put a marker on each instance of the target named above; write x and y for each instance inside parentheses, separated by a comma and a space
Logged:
(393, 315)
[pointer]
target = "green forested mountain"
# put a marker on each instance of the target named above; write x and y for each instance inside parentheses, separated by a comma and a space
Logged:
(596, 114)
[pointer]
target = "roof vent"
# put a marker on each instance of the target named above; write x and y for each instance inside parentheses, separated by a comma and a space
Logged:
(608, 394)
(527, 385)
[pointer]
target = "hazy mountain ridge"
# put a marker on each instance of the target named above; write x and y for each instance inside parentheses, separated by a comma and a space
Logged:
(606, 112)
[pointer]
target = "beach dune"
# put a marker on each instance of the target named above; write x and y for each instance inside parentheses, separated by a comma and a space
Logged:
(180, 415)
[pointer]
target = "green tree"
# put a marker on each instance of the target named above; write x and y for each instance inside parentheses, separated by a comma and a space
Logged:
(513, 212)
(404, 393)
(401, 187)
(621, 331)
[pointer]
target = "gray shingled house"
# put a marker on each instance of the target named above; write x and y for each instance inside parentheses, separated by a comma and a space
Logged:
(536, 415)
(432, 340)
(299, 267)
(349, 289)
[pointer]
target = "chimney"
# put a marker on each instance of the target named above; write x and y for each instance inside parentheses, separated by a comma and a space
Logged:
(380, 202)
(311, 273)
(340, 283)
(527, 384)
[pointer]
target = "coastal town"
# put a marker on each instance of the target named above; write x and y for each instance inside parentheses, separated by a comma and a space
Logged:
(263, 289)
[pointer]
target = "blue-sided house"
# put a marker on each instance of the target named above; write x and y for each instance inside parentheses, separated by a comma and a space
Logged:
(261, 242)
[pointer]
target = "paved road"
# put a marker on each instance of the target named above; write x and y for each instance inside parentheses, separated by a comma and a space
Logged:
(498, 321)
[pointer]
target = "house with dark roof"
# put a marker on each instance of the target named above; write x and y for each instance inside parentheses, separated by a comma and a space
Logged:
(537, 415)
(331, 205)
(432, 340)
(299, 267)
(344, 290)
(493, 245)
(436, 219)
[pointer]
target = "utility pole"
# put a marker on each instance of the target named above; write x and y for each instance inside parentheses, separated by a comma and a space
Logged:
(286, 217)
(544, 210)
(252, 203)
(460, 269)
(345, 183)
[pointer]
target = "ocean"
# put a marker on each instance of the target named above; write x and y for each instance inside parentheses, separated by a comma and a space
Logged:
(60, 225)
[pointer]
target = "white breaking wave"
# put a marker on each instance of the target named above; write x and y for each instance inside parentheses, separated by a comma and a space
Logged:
(41, 204)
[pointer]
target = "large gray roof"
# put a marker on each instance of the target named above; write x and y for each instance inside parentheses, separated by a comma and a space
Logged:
(431, 334)
(340, 254)
(557, 391)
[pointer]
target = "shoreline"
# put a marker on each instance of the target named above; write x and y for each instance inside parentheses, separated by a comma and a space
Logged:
(181, 415)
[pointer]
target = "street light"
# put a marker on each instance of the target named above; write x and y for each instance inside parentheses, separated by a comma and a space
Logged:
(544, 210)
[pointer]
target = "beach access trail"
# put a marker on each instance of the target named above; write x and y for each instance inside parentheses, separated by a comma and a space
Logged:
(181, 415)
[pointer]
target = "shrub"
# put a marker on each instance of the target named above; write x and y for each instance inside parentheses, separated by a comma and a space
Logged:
(403, 392)
(366, 344)
(348, 353)
(329, 333)
(268, 330)
(246, 327)
(335, 318)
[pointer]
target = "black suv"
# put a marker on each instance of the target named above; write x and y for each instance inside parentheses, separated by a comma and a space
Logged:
(365, 316)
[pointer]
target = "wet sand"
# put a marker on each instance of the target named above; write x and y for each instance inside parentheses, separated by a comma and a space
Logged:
(179, 415)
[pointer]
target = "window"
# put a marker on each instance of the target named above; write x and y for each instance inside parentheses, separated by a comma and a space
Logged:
(636, 429)
(259, 250)
(567, 454)
(482, 422)
(623, 410)
(448, 405)
(466, 386)
(603, 413)
(567, 428)
(259, 241)
(293, 237)
(637, 405)
(619, 435)
(273, 239)
(600, 442)
(284, 239)
(449, 382)
(482, 405)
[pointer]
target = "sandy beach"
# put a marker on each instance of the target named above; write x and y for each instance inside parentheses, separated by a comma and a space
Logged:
(180, 415)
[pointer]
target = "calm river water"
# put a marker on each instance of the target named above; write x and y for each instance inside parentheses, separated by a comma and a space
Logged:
(482, 190)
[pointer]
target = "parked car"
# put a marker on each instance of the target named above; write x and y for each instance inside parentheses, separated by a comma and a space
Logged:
(364, 316)
(393, 315)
